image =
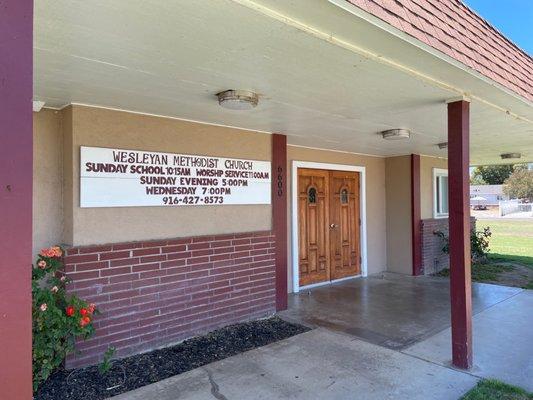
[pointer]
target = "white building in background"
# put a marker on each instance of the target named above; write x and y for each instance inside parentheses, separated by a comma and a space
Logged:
(492, 193)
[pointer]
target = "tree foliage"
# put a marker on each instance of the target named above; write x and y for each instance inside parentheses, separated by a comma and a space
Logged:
(493, 174)
(519, 185)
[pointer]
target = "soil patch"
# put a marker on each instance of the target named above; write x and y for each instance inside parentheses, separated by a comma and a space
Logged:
(142, 369)
(504, 273)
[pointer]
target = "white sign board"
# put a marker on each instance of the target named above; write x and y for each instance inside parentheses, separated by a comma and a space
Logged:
(128, 178)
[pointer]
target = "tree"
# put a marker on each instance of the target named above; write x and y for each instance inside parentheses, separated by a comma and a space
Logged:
(477, 180)
(493, 174)
(519, 185)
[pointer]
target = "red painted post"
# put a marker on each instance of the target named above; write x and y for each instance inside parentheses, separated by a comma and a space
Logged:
(16, 156)
(279, 216)
(416, 234)
(459, 226)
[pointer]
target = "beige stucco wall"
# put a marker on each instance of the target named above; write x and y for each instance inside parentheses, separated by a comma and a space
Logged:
(47, 179)
(398, 197)
(59, 219)
(107, 128)
(426, 183)
(375, 199)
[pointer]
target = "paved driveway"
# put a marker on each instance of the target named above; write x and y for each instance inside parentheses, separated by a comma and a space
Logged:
(330, 363)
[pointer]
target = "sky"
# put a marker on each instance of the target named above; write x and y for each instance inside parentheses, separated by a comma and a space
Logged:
(513, 18)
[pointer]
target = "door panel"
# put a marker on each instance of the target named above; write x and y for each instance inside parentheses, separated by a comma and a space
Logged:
(328, 225)
(313, 215)
(344, 225)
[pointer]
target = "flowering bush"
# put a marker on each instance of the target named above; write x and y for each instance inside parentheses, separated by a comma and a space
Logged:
(58, 319)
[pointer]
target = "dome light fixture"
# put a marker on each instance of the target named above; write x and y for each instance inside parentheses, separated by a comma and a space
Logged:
(238, 99)
(396, 134)
(506, 156)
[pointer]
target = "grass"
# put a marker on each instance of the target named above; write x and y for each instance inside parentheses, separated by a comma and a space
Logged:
(511, 243)
(490, 389)
(512, 240)
(482, 272)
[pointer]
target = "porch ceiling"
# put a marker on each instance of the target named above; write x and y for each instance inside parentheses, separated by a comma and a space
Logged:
(170, 58)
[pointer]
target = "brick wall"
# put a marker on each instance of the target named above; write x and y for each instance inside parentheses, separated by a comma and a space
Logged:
(433, 259)
(160, 292)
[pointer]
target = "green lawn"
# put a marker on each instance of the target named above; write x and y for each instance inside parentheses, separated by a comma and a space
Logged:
(512, 240)
(494, 390)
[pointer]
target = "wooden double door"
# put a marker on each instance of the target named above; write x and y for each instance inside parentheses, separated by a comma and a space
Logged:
(328, 225)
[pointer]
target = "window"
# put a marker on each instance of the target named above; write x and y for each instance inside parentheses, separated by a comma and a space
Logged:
(440, 193)
(311, 195)
(344, 196)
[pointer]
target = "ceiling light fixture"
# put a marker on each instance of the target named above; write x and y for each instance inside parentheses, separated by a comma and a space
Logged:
(443, 145)
(396, 134)
(506, 156)
(238, 99)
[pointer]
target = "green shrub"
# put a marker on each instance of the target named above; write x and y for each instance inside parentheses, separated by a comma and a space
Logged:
(479, 244)
(58, 319)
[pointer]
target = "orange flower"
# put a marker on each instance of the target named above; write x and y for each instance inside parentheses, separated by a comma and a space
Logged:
(57, 251)
(51, 252)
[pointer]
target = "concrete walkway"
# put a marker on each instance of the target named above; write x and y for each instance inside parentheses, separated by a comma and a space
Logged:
(503, 342)
(337, 361)
(319, 364)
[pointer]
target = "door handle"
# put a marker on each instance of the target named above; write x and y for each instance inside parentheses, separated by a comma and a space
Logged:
(333, 226)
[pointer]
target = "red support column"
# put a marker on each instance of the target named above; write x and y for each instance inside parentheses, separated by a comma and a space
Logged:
(16, 156)
(279, 216)
(416, 234)
(459, 226)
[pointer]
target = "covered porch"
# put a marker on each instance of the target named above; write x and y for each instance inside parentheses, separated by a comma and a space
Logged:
(331, 86)
(391, 310)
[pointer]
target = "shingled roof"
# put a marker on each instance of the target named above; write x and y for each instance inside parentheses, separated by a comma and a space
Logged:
(454, 29)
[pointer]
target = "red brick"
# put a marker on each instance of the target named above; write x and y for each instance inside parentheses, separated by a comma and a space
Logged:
(173, 278)
(238, 242)
(198, 246)
(174, 249)
(192, 293)
(92, 265)
(145, 252)
(172, 263)
(179, 241)
(125, 261)
(115, 271)
(220, 257)
(155, 243)
(126, 294)
(117, 287)
(153, 274)
(95, 249)
(197, 260)
(178, 256)
(71, 251)
(123, 278)
(115, 255)
(81, 258)
(83, 284)
(221, 243)
(126, 246)
(145, 267)
(78, 276)
(151, 259)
